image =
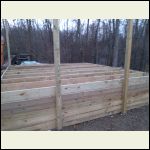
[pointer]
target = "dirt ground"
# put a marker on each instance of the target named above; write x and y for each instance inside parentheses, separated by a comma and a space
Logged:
(134, 120)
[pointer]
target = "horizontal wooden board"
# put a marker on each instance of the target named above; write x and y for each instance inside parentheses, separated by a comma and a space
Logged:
(35, 120)
(97, 114)
(47, 83)
(45, 126)
(38, 93)
(23, 119)
(89, 91)
(63, 76)
(71, 104)
(53, 73)
(51, 69)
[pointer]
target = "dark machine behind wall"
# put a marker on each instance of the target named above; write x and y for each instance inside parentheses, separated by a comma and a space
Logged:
(17, 59)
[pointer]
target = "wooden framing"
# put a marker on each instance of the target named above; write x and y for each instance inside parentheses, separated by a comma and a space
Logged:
(39, 97)
(4, 72)
(85, 96)
(57, 73)
(127, 63)
(2, 50)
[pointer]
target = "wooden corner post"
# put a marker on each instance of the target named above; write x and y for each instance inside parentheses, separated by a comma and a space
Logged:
(2, 50)
(127, 63)
(56, 42)
(7, 41)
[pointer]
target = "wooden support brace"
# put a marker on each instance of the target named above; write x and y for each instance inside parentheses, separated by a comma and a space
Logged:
(4, 72)
(57, 73)
(127, 63)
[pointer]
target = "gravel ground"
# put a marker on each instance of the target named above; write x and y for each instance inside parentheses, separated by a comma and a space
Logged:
(134, 120)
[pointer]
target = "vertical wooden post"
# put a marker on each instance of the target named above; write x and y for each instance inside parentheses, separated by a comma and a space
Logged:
(56, 42)
(127, 63)
(2, 50)
(7, 41)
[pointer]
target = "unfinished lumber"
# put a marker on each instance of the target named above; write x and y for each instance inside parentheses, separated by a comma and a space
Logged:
(17, 75)
(57, 73)
(48, 68)
(44, 126)
(47, 83)
(29, 103)
(85, 113)
(127, 63)
(35, 93)
(69, 101)
(63, 76)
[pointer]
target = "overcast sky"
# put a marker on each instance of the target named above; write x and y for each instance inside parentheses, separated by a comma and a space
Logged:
(63, 23)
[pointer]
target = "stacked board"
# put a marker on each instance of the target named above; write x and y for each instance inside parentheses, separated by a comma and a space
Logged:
(89, 91)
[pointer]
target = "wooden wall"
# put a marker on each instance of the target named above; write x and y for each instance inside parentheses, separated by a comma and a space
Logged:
(88, 92)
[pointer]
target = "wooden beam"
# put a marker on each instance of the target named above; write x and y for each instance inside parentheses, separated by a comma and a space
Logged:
(4, 72)
(70, 69)
(39, 93)
(127, 63)
(16, 121)
(64, 81)
(7, 41)
(65, 76)
(73, 100)
(56, 43)
(2, 50)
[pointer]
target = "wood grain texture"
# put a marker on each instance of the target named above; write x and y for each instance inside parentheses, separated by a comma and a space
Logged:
(127, 63)
(56, 44)
(86, 95)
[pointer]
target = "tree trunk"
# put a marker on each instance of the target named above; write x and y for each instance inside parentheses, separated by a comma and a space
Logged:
(145, 52)
(66, 44)
(134, 63)
(78, 34)
(96, 45)
(29, 29)
(87, 41)
(116, 44)
(95, 59)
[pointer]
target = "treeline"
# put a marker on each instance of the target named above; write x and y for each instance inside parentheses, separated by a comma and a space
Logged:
(98, 41)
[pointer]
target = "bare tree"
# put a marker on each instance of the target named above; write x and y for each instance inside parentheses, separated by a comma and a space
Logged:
(86, 42)
(95, 42)
(29, 29)
(145, 52)
(116, 44)
(78, 36)
(98, 41)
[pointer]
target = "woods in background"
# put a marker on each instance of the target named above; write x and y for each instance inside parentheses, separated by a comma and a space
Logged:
(98, 41)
